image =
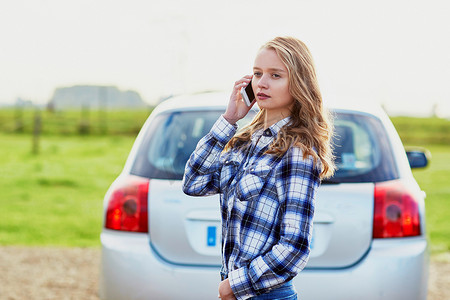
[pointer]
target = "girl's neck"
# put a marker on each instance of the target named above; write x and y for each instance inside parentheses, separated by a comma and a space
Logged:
(271, 118)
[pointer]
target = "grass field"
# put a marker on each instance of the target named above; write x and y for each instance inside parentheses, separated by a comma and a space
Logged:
(55, 198)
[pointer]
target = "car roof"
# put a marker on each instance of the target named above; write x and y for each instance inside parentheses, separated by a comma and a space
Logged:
(219, 100)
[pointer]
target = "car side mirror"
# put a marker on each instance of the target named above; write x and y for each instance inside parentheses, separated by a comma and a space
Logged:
(418, 158)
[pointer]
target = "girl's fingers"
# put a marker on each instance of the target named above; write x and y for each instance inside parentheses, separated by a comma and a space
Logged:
(244, 81)
(237, 107)
(240, 85)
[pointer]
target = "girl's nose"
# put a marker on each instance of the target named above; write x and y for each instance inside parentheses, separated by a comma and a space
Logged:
(263, 82)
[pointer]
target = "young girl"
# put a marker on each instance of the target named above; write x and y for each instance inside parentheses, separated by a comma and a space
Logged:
(267, 174)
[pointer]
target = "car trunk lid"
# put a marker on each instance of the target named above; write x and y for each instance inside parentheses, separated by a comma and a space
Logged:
(186, 230)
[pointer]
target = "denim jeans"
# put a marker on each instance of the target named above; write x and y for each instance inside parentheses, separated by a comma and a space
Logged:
(284, 292)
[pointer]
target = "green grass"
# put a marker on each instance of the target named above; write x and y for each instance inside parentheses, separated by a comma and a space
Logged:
(55, 198)
(423, 131)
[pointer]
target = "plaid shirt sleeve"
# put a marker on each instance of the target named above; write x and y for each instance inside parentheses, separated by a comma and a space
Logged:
(202, 172)
(297, 180)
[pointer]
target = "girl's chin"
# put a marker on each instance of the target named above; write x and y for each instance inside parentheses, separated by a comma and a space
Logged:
(263, 104)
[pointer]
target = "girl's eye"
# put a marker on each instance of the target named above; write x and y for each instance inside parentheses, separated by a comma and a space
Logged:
(276, 76)
(257, 74)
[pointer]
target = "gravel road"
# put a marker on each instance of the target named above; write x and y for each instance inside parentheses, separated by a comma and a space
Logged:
(72, 273)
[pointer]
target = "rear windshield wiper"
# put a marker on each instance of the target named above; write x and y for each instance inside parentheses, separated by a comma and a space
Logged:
(329, 181)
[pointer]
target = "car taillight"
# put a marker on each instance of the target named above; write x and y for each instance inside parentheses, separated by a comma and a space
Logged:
(127, 205)
(396, 212)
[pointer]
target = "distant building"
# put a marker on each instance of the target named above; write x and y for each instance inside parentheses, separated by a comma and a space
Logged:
(94, 97)
(23, 103)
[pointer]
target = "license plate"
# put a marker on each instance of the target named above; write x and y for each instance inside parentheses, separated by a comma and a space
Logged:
(311, 245)
(211, 236)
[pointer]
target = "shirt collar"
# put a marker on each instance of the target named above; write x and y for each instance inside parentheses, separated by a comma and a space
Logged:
(269, 134)
(273, 130)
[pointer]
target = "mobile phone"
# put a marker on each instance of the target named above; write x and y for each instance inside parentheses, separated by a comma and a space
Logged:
(247, 94)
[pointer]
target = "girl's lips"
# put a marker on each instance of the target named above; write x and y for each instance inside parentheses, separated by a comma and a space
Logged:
(262, 96)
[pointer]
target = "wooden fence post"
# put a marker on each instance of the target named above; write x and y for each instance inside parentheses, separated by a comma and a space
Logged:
(18, 116)
(37, 124)
(84, 127)
(102, 107)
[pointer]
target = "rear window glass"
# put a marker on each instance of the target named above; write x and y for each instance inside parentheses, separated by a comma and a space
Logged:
(362, 150)
(170, 140)
(361, 146)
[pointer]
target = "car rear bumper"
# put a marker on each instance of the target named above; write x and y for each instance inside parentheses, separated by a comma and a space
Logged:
(392, 269)
(130, 269)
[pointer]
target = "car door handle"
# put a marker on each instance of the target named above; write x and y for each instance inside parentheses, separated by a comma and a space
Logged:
(322, 218)
(204, 215)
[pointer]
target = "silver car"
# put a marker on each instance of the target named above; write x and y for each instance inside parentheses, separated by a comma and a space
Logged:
(369, 239)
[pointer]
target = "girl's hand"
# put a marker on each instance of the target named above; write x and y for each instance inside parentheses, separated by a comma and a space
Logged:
(237, 109)
(225, 291)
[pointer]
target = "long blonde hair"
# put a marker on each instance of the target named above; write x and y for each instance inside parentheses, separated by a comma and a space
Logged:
(310, 127)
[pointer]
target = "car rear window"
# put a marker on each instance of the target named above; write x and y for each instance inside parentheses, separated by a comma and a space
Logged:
(169, 141)
(361, 146)
(362, 150)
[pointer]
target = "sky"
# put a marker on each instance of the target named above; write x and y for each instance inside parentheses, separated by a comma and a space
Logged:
(396, 53)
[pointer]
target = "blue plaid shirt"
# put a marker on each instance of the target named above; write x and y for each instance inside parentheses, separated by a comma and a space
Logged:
(267, 206)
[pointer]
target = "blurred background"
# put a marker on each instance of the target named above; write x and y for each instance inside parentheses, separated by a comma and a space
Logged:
(79, 78)
(391, 52)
